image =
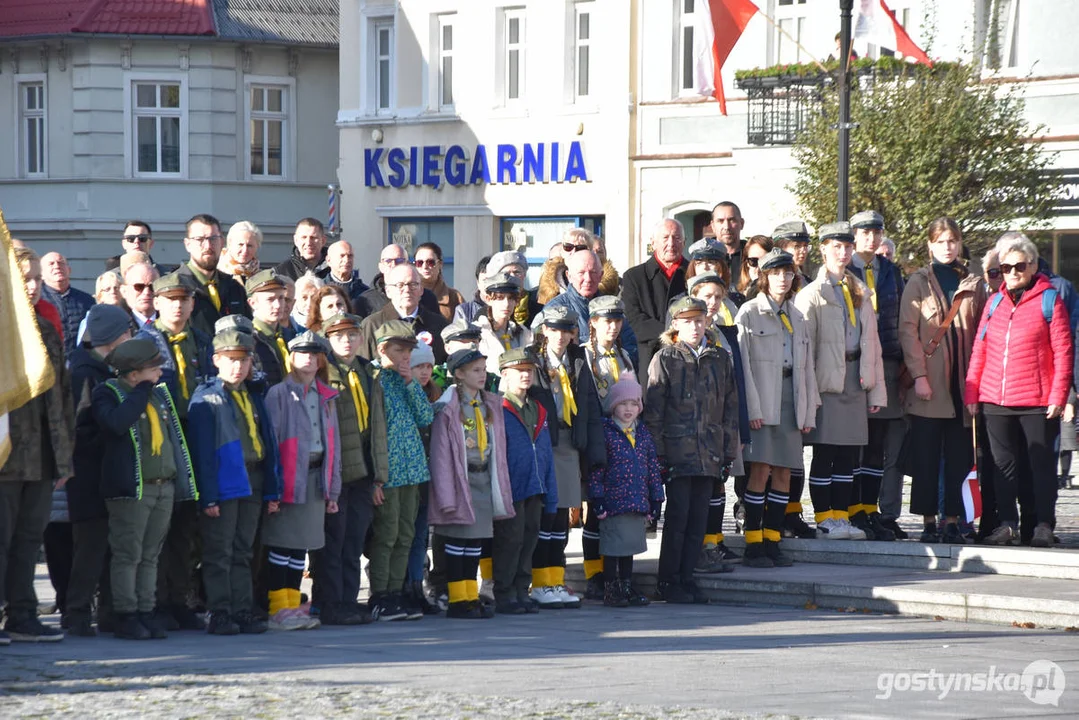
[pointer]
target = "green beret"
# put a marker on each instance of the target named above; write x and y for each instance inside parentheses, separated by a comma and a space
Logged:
(516, 358)
(135, 354)
(234, 340)
(836, 231)
(341, 321)
(263, 280)
(560, 317)
(235, 321)
(173, 283)
(396, 330)
(307, 342)
(687, 306)
(606, 306)
(867, 219)
(460, 329)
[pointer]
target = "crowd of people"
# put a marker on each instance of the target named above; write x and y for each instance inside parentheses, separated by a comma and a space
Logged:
(217, 430)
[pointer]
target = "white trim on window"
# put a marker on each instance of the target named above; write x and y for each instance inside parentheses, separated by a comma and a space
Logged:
(168, 105)
(264, 89)
(381, 76)
(32, 125)
(583, 34)
(445, 54)
(685, 14)
(514, 61)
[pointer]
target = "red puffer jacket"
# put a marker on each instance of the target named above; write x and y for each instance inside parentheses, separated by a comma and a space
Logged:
(1020, 361)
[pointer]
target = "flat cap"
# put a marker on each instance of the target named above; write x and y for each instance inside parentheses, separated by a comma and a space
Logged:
(233, 339)
(460, 329)
(461, 358)
(395, 330)
(793, 230)
(704, 279)
(836, 231)
(172, 284)
(867, 219)
(558, 317)
(776, 258)
(606, 306)
(687, 306)
(105, 323)
(307, 342)
(263, 280)
(135, 355)
(517, 357)
(501, 282)
(234, 321)
(502, 260)
(340, 322)
(707, 249)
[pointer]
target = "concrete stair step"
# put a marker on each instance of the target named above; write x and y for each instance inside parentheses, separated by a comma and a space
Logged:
(1055, 563)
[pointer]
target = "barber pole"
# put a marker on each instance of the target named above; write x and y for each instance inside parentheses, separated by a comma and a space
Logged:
(332, 226)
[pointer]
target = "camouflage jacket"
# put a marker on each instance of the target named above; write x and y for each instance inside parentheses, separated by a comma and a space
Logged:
(691, 407)
(43, 430)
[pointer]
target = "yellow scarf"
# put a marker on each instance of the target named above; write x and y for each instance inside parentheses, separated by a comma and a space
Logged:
(872, 283)
(215, 298)
(615, 372)
(283, 349)
(786, 322)
(850, 302)
(181, 362)
(157, 437)
(631, 435)
(358, 399)
(481, 426)
(569, 405)
(725, 314)
(507, 340)
(520, 313)
(244, 402)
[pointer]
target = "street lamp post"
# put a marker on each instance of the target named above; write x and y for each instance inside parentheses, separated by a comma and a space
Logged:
(845, 9)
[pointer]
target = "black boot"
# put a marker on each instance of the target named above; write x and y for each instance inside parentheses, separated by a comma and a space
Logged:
(634, 596)
(80, 624)
(596, 589)
(186, 618)
(154, 625)
(128, 627)
(773, 552)
(756, 557)
(614, 594)
(428, 607)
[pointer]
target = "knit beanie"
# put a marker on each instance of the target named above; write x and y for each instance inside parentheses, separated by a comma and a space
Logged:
(627, 388)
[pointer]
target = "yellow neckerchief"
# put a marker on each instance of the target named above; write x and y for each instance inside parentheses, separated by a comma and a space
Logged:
(283, 349)
(569, 405)
(871, 281)
(157, 437)
(849, 301)
(612, 355)
(181, 362)
(725, 314)
(481, 425)
(246, 407)
(506, 336)
(785, 319)
(520, 313)
(358, 399)
(215, 298)
(630, 435)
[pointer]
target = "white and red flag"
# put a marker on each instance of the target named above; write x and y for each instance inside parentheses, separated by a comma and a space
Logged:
(972, 495)
(875, 23)
(719, 24)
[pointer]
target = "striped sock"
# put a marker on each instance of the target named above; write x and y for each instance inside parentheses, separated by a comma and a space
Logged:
(842, 486)
(774, 511)
(798, 482)
(754, 504)
(820, 492)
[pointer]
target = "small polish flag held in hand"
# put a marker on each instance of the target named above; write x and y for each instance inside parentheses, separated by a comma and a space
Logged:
(972, 495)
(875, 23)
(719, 24)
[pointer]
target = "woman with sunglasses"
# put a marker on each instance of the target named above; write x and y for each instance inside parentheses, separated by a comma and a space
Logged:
(428, 262)
(1019, 376)
(755, 248)
(937, 418)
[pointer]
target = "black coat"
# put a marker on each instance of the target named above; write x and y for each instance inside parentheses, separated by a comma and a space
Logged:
(889, 293)
(83, 489)
(374, 299)
(269, 356)
(647, 293)
(233, 300)
(431, 322)
(295, 266)
(587, 430)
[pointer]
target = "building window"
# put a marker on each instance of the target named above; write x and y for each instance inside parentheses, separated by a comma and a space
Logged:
(685, 39)
(410, 233)
(268, 143)
(515, 54)
(382, 64)
(533, 236)
(583, 40)
(31, 106)
(445, 61)
(157, 113)
(790, 23)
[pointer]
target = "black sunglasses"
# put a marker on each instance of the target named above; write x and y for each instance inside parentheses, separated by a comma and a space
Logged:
(137, 238)
(752, 261)
(993, 273)
(1019, 267)
(570, 247)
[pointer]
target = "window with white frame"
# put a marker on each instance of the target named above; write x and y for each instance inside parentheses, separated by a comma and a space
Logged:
(269, 131)
(514, 57)
(790, 23)
(445, 61)
(583, 48)
(382, 64)
(32, 138)
(685, 60)
(157, 111)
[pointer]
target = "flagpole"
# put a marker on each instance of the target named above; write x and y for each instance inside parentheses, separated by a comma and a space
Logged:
(843, 201)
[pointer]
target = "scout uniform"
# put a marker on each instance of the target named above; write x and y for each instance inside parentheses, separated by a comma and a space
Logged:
(513, 335)
(271, 340)
(462, 331)
(216, 295)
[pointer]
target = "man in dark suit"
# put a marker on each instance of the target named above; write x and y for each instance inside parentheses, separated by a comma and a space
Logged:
(404, 290)
(648, 288)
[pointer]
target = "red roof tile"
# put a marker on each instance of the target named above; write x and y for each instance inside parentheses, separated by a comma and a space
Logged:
(120, 17)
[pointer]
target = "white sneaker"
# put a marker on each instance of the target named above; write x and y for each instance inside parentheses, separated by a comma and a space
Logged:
(546, 597)
(569, 600)
(487, 591)
(287, 619)
(833, 530)
(853, 533)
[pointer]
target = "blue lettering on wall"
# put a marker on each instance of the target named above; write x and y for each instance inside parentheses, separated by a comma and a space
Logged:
(429, 166)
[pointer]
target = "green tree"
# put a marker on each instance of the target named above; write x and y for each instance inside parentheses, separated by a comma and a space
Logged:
(929, 142)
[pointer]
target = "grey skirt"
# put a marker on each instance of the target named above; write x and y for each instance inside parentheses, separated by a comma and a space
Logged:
(567, 470)
(622, 535)
(779, 445)
(843, 418)
(299, 526)
(1067, 437)
(482, 507)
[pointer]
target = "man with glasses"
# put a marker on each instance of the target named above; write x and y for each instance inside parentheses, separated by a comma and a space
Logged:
(308, 251)
(72, 303)
(403, 287)
(376, 298)
(648, 288)
(137, 236)
(138, 293)
(216, 295)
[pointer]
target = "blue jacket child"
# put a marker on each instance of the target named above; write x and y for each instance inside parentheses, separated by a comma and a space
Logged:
(530, 458)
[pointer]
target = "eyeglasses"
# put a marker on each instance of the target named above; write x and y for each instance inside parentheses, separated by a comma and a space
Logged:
(570, 247)
(140, 288)
(136, 238)
(432, 262)
(206, 239)
(752, 261)
(993, 273)
(405, 286)
(785, 274)
(1020, 267)
(394, 261)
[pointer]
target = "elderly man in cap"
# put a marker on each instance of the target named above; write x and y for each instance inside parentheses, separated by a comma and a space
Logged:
(72, 303)
(107, 326)
(886, 428)
(376, 297)
(404, 290)
(266, 296)
(340, 258)
(584, 272)
(215, 294)
(648, 288)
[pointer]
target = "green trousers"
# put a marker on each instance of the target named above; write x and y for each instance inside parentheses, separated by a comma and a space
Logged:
(393, 529)
(137, 530)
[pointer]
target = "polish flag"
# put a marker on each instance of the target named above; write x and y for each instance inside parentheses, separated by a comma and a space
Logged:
(875, 23)
(972, 495)
(718, 25)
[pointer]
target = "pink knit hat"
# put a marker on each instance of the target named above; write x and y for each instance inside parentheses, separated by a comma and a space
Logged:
(627, 388)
